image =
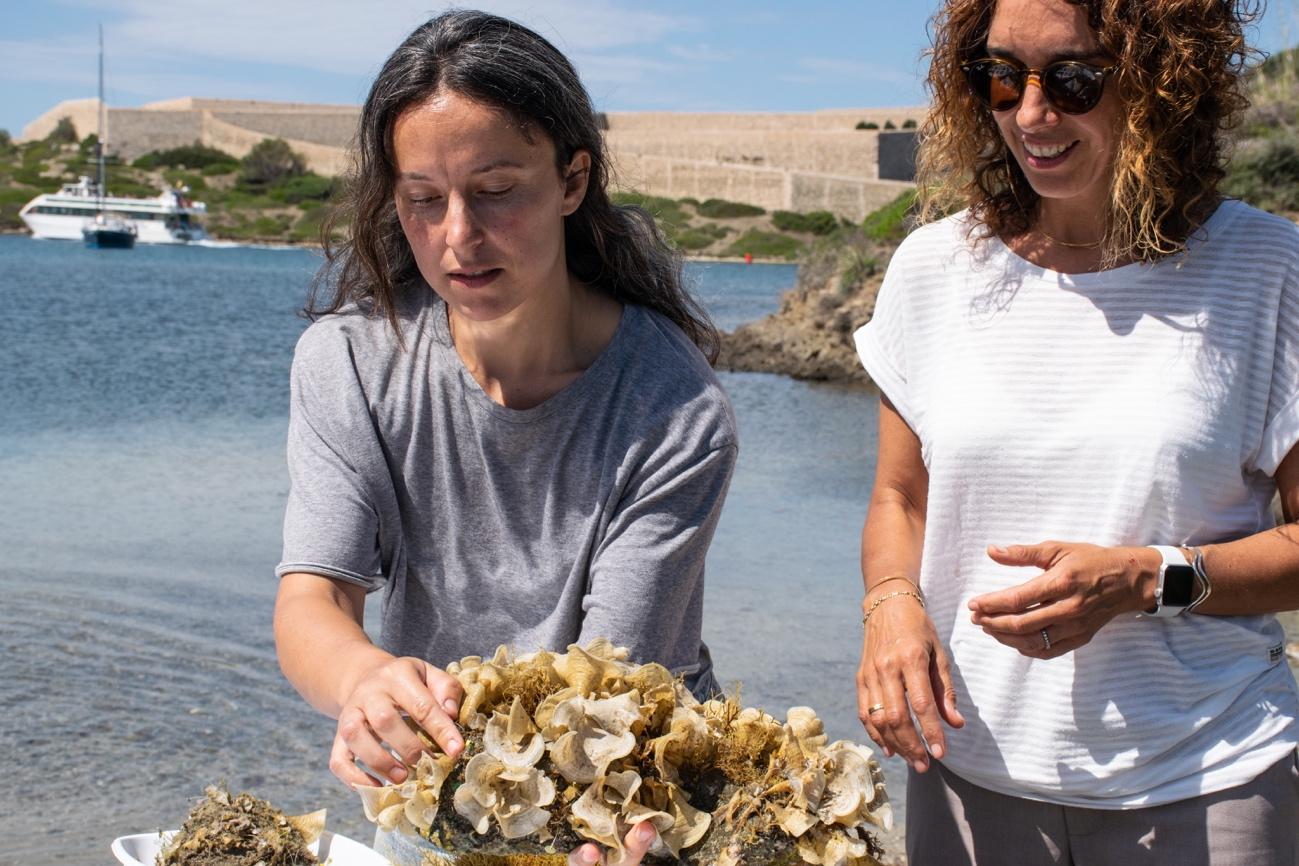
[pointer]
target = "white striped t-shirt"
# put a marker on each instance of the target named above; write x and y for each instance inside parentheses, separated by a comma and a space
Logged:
(1147, 404)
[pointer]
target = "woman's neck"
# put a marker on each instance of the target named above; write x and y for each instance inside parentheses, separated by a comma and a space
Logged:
(533, 352)
(1064, 237)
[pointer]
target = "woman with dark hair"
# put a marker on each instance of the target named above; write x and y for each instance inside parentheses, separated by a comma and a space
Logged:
(1098, 348)
(504, 416)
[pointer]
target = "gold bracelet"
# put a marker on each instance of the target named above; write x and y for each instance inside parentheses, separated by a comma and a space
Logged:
(883, 598)
(914, 585)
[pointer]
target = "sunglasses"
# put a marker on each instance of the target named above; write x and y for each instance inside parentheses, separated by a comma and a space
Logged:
(1070, 86)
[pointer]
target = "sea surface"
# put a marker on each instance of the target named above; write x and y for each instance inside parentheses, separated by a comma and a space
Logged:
(143, 409)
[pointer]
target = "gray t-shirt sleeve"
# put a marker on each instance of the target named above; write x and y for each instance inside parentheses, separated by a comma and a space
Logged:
(647, 574)
(331, 526)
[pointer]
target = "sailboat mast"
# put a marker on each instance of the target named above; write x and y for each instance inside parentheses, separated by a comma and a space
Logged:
(99, 138)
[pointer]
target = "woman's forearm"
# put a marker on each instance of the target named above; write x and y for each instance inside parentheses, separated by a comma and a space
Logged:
(322, 648)
(1255, 574)
(892, 538)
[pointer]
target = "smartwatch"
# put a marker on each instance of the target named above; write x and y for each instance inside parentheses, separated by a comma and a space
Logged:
(1176, 589)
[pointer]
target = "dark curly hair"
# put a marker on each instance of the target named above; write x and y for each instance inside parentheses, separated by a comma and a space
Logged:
(499, 63)
(1180, 77)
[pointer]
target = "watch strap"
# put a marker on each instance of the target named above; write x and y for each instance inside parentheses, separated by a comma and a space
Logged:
(1172, 557)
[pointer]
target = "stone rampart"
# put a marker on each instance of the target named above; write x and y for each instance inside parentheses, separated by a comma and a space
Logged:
(330, 128)
(770, 188)
(848, 152)
(133, 132)
(808, 121)
(237, 141)
(814, 160)
(84, 114)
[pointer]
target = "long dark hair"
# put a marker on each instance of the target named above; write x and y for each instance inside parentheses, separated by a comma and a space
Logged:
(502, 64)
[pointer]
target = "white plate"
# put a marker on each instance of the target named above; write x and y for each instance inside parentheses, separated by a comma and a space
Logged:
(333, 850)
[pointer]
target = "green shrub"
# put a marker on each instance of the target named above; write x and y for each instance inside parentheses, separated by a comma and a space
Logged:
(764, 244)
(30, 175)
(667, 211)
(817, 222)
(36, 152)
(193, 180)
(63, 132)
(888, 124)
(909, 123)
(1281, 63)
(9, 218)
(866, 124)
(856, 266)
(891, 222)
(690, 200)
(271, 160)
(13, 195)
(1267, 176)
(698, 237)
(121, 181)
(263, 227)
(194, 155)
(719, 209)
(304, 187)
(219, 168)
(307, 227)
(6, 143)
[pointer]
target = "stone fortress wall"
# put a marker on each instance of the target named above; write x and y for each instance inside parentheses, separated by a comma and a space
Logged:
(792, 161)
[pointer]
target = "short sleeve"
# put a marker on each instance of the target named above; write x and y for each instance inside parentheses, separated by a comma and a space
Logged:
(1281, 421)
(646, 586)
(881, 342)
(331, 523)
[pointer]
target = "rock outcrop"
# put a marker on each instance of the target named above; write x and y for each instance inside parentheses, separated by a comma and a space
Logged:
(811, 335)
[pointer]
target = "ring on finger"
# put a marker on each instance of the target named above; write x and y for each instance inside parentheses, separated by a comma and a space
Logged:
(1046, 640)
(874, 708)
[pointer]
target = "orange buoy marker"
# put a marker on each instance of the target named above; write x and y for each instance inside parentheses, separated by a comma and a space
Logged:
(748, 258)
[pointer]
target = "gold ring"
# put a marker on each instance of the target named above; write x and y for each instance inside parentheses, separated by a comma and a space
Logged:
(873, 709)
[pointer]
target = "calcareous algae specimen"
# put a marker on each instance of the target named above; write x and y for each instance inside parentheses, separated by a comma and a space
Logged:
(563, 748)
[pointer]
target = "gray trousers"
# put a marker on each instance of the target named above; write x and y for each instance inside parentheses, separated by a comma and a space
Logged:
(952, 822)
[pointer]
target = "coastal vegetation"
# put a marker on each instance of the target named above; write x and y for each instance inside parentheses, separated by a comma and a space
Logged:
(270, 196)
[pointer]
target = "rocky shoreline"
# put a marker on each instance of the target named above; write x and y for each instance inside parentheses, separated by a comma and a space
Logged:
(810, 337)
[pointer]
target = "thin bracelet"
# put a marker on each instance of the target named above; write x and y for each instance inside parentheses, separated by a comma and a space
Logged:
(1202, 578)
(883, 598)
(914, 585)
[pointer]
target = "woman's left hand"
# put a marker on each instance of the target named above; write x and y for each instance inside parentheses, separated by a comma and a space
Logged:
(1081, 588)
(639, 839)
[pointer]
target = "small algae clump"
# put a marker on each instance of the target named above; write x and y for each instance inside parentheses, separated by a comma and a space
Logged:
(225, 830)
(565, 748)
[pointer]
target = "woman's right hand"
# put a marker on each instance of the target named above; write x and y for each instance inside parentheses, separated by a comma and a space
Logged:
(904, 667)
(373, 714)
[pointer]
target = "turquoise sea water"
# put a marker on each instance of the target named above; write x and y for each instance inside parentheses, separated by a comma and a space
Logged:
(143, 401)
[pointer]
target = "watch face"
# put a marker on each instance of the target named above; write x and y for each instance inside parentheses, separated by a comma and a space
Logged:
(1179, 586)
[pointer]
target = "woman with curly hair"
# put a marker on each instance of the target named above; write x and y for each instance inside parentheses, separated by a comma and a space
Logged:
(503, 421)
(1103, 350)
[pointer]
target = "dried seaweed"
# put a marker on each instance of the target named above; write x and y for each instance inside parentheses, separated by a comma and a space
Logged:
(566, 748)
(225, 830)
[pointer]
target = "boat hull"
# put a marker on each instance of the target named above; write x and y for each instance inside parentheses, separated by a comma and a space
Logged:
(68, 228)
(108, 239)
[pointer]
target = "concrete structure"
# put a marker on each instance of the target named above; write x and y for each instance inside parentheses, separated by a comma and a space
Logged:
(793, 161)
(321, 133)
(897, 155)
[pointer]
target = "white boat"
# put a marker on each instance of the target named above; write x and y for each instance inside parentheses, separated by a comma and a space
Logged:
(76, 211)
(170, 218)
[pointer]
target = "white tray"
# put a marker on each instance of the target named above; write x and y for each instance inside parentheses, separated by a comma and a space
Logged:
(333, 850)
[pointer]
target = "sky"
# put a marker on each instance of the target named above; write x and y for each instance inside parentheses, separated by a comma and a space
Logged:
(633, 55)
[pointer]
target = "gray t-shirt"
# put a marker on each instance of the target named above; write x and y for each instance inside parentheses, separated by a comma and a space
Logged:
(587, 515)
